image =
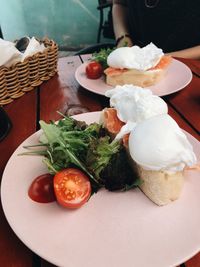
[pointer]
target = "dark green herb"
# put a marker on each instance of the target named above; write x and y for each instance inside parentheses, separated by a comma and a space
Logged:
(100, 153)
(118, 174)
(101, 56)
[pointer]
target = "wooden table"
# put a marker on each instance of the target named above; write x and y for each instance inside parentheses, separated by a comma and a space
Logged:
(62, 93)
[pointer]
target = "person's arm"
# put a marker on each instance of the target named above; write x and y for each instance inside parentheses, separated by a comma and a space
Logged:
(120, 23)
(193, 53)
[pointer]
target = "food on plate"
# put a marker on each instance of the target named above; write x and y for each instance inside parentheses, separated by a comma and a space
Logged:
(138, 66)
(94, 70)
(131, 105)
(158, 149)
(111, 121)
(160, 152)
(72, 188)
(70, 144)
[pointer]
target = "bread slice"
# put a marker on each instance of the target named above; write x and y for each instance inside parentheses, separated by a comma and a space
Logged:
(135, 77)
(159, 186)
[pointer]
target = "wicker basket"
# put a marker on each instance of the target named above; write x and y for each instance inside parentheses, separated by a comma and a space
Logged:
(22, 77)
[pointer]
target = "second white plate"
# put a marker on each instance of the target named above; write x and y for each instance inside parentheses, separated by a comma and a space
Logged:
(177, 77)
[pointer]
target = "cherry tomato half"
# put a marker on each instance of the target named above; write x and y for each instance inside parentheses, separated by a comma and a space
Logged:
(41, 189)
(72, 188)
(94, 70)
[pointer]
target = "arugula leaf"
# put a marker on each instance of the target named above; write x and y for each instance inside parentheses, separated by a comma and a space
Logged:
(69, 124)
(52, 133)
(100, 153)
(102, 55)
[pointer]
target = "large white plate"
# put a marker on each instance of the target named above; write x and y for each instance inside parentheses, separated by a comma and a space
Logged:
(111, 230)
(177, 77)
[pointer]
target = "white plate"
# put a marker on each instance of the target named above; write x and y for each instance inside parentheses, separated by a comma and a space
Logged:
(111, 230)
(177, 77)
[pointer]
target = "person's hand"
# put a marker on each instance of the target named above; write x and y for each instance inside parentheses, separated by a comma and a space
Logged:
(125, 41)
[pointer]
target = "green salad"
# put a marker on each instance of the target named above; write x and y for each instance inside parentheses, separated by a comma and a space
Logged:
(74, 144)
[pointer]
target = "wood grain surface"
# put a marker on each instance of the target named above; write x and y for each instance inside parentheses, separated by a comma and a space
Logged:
(187, 102)
(22, 113)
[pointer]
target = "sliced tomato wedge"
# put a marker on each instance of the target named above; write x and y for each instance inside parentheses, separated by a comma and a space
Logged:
(72, 188)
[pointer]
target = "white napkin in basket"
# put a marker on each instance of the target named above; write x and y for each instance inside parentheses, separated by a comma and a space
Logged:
(9, 54)
(33, 47)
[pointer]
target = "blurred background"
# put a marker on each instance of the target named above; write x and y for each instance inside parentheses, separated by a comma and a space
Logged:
(73, 24)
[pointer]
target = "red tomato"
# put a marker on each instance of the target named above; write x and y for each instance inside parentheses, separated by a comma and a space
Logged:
(94, 70)
(41, 189)
(72, 188)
